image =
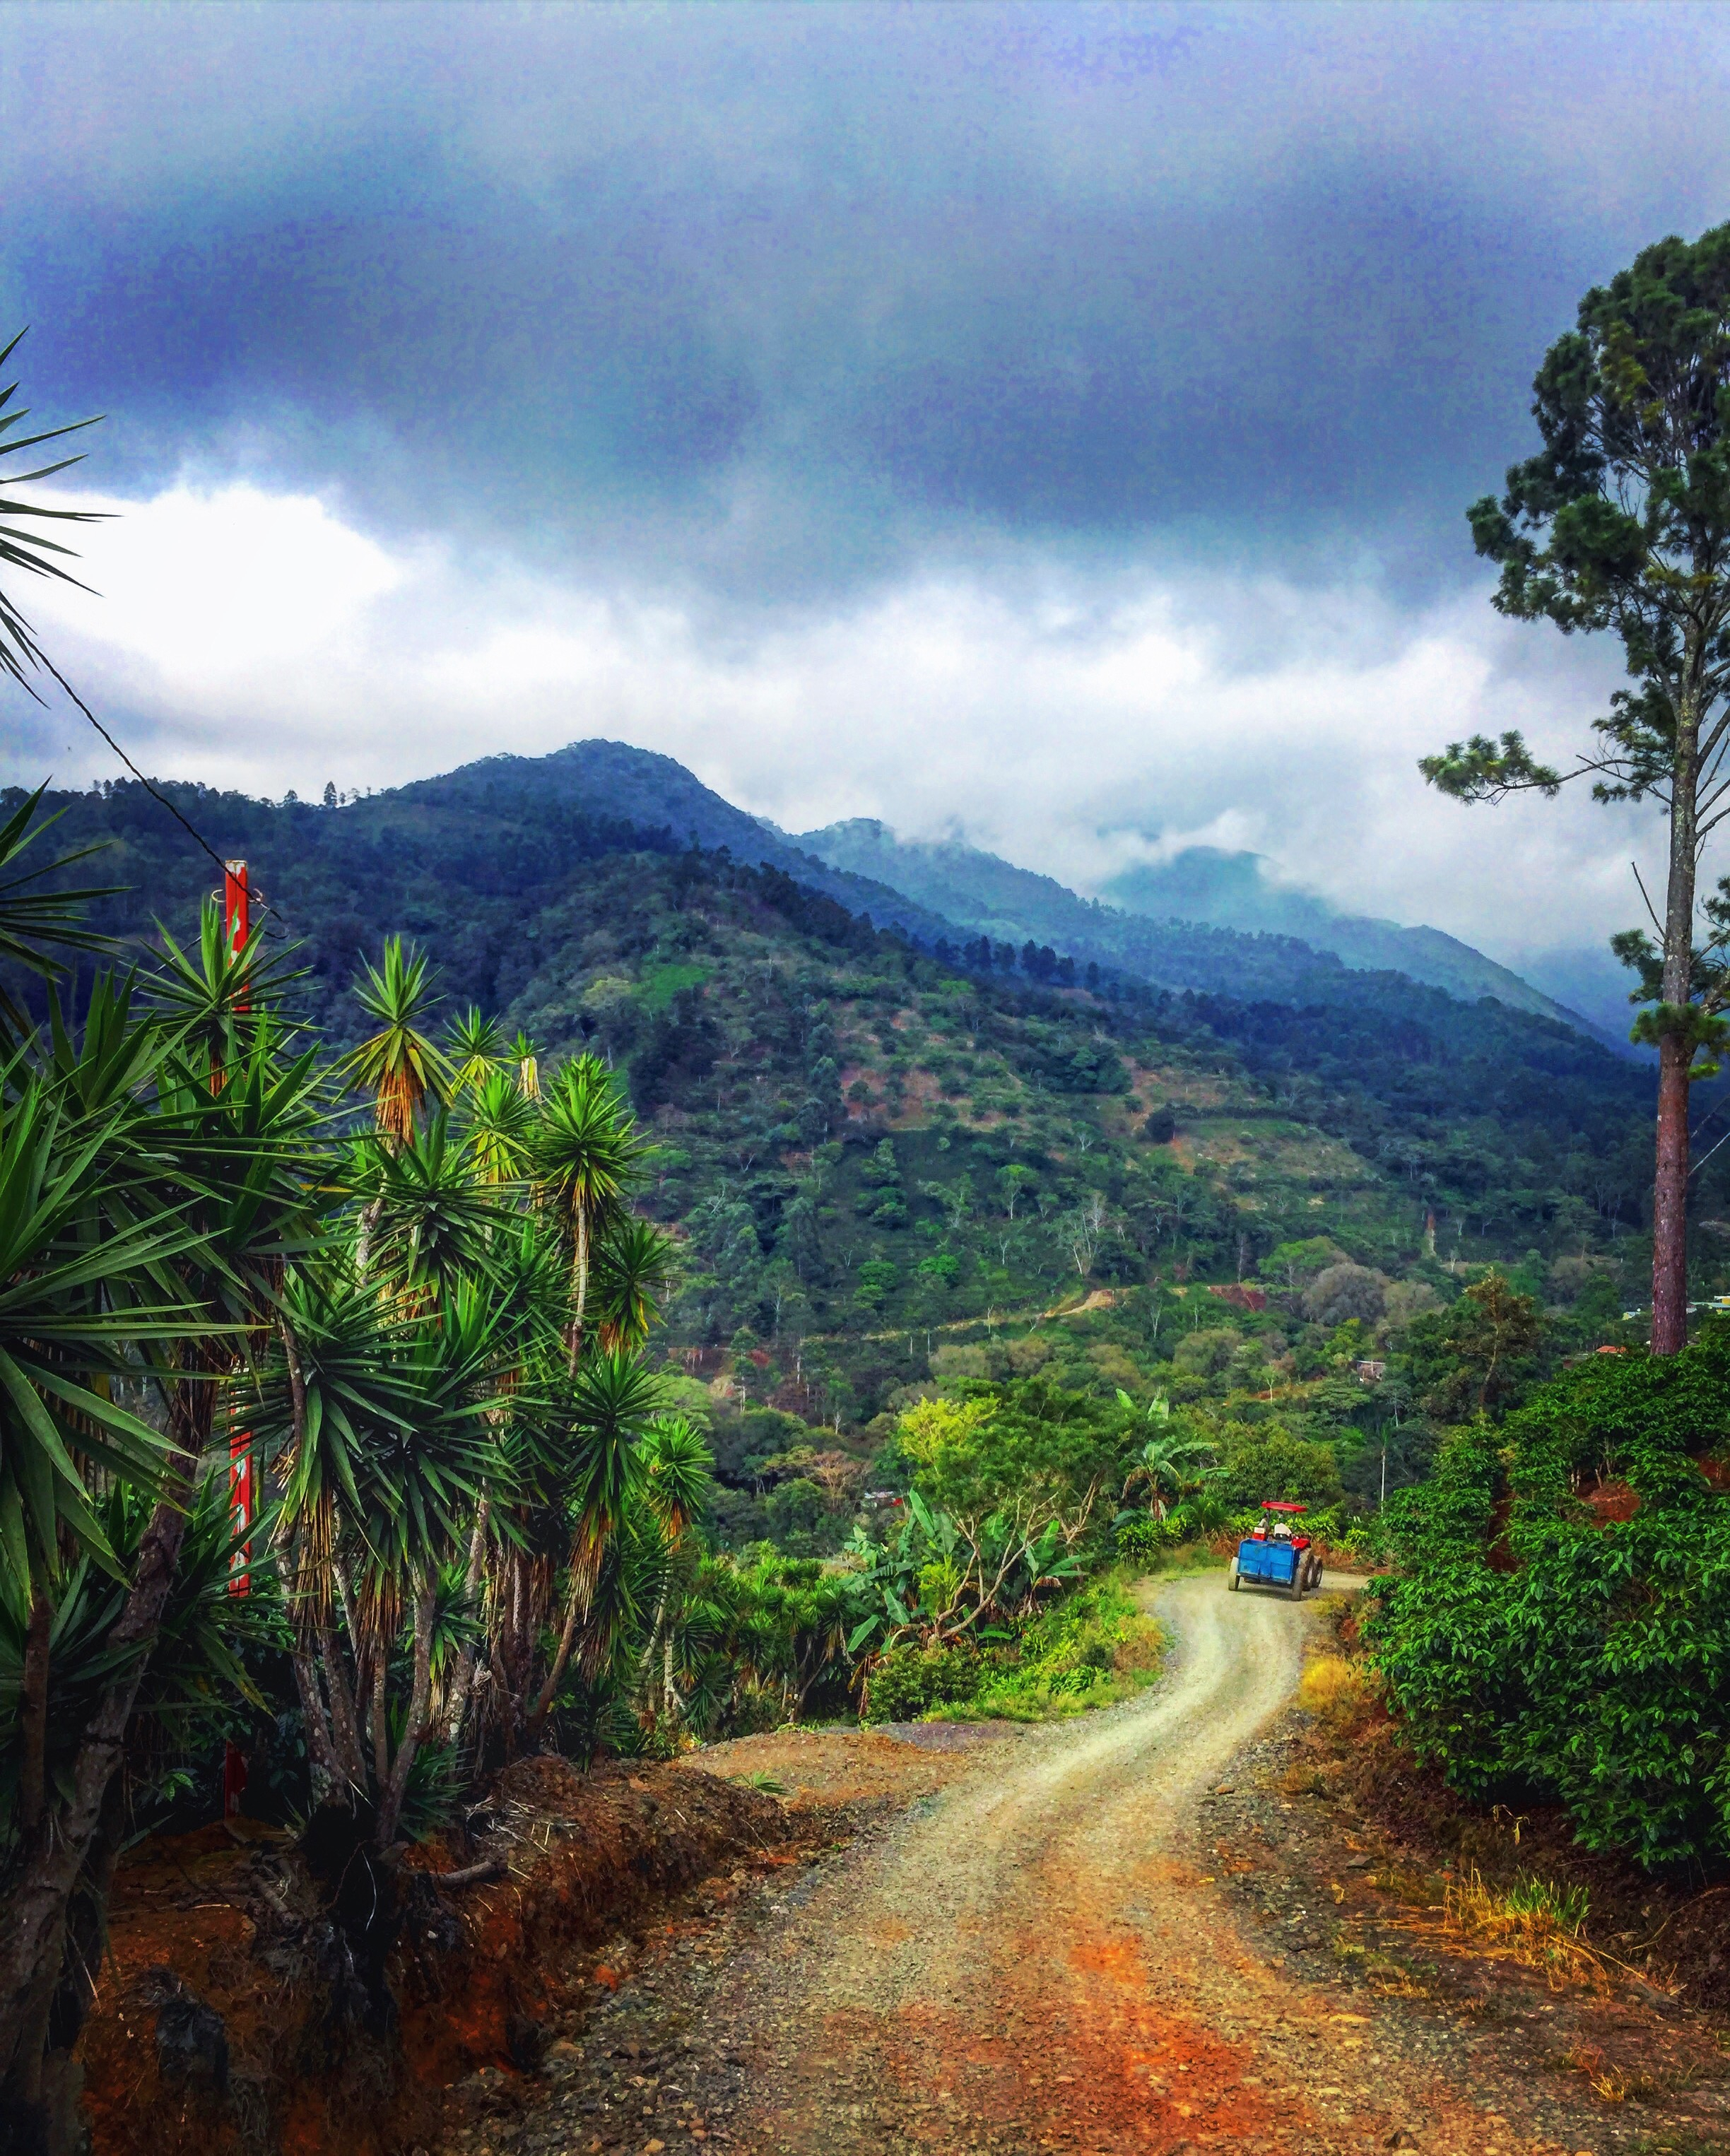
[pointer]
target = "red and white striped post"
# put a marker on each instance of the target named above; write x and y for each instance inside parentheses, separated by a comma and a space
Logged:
(237, 908)
(242, 1501)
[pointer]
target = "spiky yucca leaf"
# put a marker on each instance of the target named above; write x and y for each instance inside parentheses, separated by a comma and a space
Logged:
(397, 1065)
(39, 920)
(31, 553)
(635, 1265)
(474, 1049)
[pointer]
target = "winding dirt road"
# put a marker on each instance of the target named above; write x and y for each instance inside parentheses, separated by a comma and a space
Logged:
(1033, 1962)
(1031, 1958)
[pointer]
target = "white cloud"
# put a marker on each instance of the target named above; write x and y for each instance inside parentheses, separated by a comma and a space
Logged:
(259, 640)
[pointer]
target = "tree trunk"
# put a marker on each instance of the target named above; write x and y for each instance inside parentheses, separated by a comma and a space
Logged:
(1670, 1198)
(380, 1727)
(418, 1723)
(329, 1782)
(1675, 1049)
(344, 1721)
(464, 1677)
(72, 1999)
(32, 1716)
(585, 1564)
(33, 1911)
(32, 1917)
(580, 1286)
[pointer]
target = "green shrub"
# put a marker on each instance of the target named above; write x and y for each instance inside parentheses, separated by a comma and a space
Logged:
(910, 1680)
(1268, 1461)
(1594, 1670)
(1140, 1539)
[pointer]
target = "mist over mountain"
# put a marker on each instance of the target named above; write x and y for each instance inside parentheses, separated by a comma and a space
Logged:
(1210, 920)
(1237, 891)
(1178, 924)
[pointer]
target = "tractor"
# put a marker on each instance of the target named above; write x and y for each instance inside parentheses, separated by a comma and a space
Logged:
(1277, 1555)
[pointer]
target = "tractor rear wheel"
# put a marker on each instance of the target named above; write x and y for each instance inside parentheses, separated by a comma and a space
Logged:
(1232, 1581)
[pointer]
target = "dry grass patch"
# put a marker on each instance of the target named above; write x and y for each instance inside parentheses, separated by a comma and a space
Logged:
(1344, 1695)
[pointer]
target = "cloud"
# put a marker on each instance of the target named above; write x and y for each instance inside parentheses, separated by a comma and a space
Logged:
(1074, 723)
(771, 300)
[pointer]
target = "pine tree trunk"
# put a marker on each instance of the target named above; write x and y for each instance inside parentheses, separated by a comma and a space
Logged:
(1675, 1049)
(1670, 1199)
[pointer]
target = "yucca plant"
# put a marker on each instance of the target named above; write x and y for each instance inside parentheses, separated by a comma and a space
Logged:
(39, 920)
(588, 1157)
(151, 1212)
(474, 1048)
(25, 553)
(635, 1265)
(184, 1680)
(85, 1285)
(605, 1414)
(432, 1217)
(398, 1065)
(678, 1484)
(500, 1129)
(216, 996)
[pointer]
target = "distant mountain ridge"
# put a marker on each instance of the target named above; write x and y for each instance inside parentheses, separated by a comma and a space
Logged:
(1153, 927)
(1235, 890)
(1164, 928)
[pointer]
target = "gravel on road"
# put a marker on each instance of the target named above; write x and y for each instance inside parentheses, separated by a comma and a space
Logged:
(1033, 1954)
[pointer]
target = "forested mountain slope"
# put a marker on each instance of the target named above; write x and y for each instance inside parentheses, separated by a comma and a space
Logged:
(1235, 891)
(932, 893)
(1043, 1140)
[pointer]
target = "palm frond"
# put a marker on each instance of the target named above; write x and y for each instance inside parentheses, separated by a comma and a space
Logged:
(31, 553)
(39, 920)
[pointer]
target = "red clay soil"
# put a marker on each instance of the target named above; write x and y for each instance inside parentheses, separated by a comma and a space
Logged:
(478, 1975)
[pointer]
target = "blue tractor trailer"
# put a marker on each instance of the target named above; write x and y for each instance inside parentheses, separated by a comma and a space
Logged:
(1277, 1555)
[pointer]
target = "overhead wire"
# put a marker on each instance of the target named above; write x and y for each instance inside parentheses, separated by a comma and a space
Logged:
(154, 791)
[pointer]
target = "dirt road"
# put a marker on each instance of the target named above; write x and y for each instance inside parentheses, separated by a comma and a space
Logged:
(1030, 1958)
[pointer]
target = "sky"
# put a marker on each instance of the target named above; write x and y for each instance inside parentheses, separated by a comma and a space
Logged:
(1052, 424)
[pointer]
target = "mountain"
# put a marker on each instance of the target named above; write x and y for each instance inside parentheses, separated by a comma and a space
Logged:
(868, 1148)
(1208, 921)
(1174, 925)
(1235, 890)
(651, 792)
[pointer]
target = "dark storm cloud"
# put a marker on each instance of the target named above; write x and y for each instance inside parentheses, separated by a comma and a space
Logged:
(774, 298)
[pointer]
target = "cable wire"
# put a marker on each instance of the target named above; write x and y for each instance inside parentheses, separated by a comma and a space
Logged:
(149, 785)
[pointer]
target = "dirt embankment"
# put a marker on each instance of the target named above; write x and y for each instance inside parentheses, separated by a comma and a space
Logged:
(229, 2019)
